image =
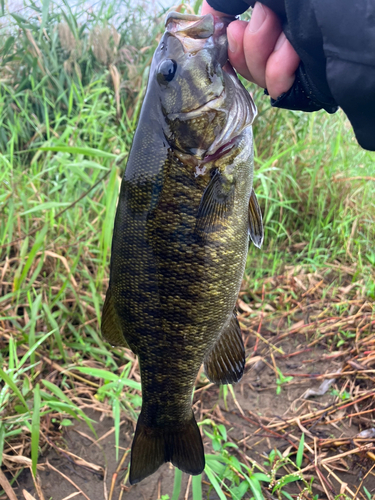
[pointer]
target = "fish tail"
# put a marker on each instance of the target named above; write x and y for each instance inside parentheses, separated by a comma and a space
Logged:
(180, 444)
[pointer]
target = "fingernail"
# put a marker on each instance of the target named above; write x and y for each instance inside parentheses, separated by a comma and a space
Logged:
(280, 41)
(257, 18)
(232, 43)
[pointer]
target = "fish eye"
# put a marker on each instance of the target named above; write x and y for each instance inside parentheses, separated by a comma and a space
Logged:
(166, 71)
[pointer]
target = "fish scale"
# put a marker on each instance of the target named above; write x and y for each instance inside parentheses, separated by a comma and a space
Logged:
(185, 212)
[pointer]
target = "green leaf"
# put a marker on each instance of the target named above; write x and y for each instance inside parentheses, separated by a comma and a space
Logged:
(196, 485)
(79, 151)
(223, 431)
(73, 411)
(38, 243)
(216, 464)
(14, 388)
(230, 445)
(176, 484)
(46, 206)
(44, 15)
(289, 497)
(35, 429)
(239, 491)
(109, 376)
(214, 482)
(368, 494)
(197, 6)
(66, 422)
(57, 391)
(116, 419)
(98, 373)
(261, 477)
(300, 451)
(56, 329)
(289, 478)
(7, 46)
(255, 487)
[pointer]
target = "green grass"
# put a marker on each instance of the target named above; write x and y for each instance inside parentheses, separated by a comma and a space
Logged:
(64, 140)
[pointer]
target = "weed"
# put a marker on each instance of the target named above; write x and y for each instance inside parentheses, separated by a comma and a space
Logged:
(280, 380)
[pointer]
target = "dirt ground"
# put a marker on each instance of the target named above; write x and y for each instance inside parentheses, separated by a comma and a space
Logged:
(257, 403)
(300, 325)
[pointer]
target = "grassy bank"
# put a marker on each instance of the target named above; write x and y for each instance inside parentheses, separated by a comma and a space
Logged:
(71, 87)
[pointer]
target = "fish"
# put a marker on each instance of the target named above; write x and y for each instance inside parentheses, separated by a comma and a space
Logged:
(185, 213)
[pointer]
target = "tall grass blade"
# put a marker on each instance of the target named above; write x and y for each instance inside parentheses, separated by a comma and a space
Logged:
(196, 486)
(79, 151)
(35, 430)
(45, 8)
(214, 482)
(2, 437)
(46, 206)
(35, 248)
(300, 451)
(256, 488)
(116, 420)
(177, 484)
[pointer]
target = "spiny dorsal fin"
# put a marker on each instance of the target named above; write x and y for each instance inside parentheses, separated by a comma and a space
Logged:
(226, 362)
(216, 203)
(256, 230)
(111, 326)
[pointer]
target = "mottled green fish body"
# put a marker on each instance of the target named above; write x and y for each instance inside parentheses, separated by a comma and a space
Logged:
(185, 213)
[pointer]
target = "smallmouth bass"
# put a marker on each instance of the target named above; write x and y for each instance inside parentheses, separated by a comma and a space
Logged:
(185, 213)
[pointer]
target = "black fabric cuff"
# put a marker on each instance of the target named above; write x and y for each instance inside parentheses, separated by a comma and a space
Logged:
(231, 7)
(302, 96)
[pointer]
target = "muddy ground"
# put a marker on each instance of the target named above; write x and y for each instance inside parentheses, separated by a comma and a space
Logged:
(257, 404)
(312, 327)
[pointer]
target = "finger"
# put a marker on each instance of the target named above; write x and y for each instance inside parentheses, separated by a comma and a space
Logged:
(281, 67)
(259, 41)
(235, 32)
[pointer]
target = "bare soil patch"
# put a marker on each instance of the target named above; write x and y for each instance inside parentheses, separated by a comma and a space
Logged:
(301, 331)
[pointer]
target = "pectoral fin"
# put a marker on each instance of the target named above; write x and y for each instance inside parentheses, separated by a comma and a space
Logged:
(111, 326)
(226, 362)
(256, 230)
(216, 203)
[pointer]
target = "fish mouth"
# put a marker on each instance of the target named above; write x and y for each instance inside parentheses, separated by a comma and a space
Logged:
(198, 32)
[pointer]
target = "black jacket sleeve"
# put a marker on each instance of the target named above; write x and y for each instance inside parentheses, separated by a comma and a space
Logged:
(335, 40)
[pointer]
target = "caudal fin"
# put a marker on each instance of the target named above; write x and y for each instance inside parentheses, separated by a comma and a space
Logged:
(180, 444)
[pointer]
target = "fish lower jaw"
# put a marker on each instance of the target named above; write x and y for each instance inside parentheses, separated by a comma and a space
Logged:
(203, 164)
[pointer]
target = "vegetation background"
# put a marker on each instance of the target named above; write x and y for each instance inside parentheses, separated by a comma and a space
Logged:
(71, 87)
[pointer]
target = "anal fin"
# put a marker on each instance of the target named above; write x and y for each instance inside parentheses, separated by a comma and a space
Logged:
(256, 230)
(111, 325)
(226, 362)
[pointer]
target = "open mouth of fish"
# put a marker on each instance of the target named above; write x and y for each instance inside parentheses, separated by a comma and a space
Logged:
(209, 32)
(194, 32)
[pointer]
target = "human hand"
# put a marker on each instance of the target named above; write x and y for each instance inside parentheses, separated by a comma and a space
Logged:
(260, 51)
